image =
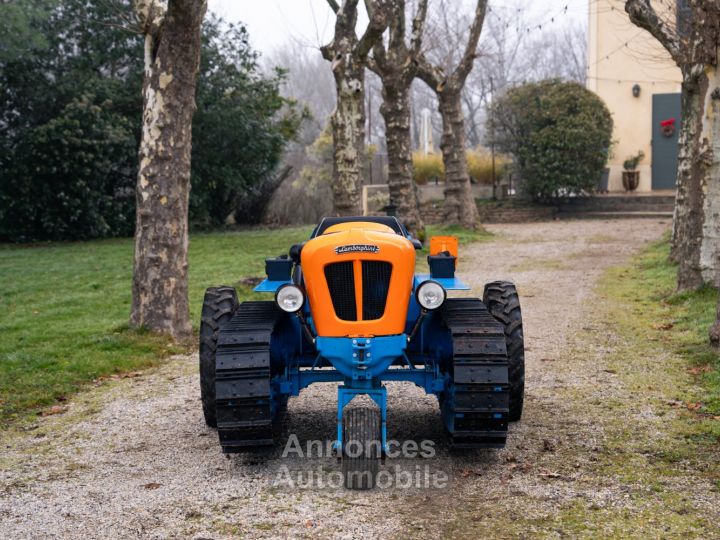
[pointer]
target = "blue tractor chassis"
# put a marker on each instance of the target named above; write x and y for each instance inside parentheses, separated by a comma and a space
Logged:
(362, 364)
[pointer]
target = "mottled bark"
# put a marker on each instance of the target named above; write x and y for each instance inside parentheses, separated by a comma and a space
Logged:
(396, 66)
(710, 156)
(395, 110)
(348, 131)
(172, 59)
(459, 207)
(348, 56)
(715, 328)
(710, 247)
(691, 181)
(460, 204)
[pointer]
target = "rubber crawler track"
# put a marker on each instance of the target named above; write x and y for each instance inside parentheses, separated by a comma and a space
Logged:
(219, 305)
(501, 299)
(480, 375)
(242, 377)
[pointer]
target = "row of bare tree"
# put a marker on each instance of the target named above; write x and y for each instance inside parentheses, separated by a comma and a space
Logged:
(438, 52)
(692, 38)
(398, 61)
(511, 53)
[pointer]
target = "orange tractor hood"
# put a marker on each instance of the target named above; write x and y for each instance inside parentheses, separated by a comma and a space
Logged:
(363, 247)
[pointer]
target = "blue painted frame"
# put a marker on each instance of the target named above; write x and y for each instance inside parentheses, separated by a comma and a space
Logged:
(449, 284)
(421, 370)
(270, 286)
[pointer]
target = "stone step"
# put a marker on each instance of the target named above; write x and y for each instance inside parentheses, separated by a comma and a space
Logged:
(617, 201)
(614, 215)
(577, 208)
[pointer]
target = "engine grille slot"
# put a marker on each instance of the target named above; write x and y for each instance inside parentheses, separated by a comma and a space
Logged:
(341, 283)
(375, 287)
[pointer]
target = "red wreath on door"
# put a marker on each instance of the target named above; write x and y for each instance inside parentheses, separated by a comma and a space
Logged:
(667, 127)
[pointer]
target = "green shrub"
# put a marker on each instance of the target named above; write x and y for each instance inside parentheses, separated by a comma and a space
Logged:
(70, 123)
(72, 178)
(428, 169)
(480, 165)
(240, 130)
(559, 134)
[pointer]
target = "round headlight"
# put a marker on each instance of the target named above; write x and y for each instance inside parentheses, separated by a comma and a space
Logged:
(289, 298)
(430, 295)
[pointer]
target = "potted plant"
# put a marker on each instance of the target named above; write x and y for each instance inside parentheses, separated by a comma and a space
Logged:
(604, 180)
(631, 176)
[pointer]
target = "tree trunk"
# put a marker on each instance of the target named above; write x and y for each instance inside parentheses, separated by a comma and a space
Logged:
(710, 248)
(348, 57)
(696, 233)
(348, 123)
(396, 113)
(710, 153)
(715, 328)
(160, 279)
(687, 223)
(460, 204)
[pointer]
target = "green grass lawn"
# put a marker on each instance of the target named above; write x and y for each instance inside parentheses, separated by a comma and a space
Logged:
(64, 308)
(652, 312)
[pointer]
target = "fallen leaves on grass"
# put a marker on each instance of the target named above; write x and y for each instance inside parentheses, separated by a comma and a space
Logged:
(693, 405)
(699, 370)
(55, 409)
(549, 474)
(118, 376)
(520, 467)
(663, 326)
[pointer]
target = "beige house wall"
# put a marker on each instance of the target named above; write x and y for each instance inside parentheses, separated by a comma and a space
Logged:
(621, 55)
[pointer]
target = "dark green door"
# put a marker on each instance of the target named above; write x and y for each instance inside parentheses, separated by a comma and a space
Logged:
(666, 107)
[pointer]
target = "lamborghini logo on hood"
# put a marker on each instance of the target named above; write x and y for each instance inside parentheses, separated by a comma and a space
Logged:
(357, 248)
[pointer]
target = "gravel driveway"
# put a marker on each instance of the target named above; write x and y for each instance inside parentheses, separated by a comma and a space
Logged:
(132, 458)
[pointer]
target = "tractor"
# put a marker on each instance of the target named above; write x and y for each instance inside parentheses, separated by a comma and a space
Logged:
(349, 308)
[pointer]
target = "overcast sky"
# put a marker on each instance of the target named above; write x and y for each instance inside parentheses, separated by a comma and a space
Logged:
(271, 23)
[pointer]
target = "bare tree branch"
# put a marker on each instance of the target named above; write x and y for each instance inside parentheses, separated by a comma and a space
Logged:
(418, 27)
(396, 41)
(433, 76)
(333, 5)
(379, 14)
(466, 64)
(150, 15)
(642, 14)
(374, 64)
